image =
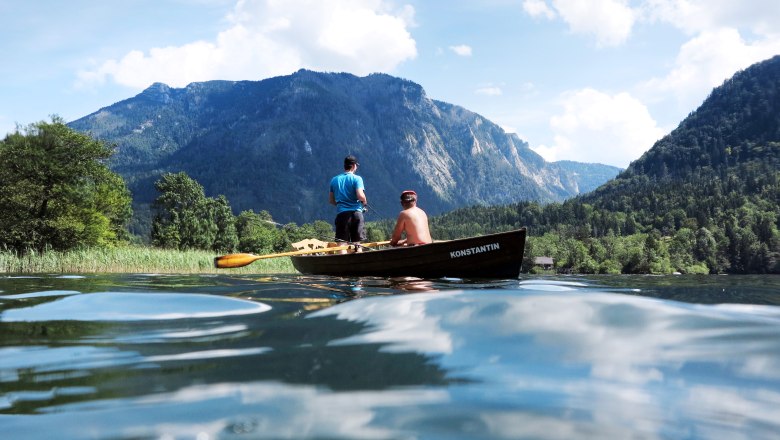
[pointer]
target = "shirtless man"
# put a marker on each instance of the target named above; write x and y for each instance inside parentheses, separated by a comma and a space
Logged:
(413, 221)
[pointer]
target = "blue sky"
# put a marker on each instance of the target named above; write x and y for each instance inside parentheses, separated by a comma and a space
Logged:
(586, 80)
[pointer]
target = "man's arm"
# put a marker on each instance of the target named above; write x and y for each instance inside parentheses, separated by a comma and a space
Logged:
(395, 239)
(361, 195)
(332, 198)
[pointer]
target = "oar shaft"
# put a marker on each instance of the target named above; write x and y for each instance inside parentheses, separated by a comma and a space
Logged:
(239, 260)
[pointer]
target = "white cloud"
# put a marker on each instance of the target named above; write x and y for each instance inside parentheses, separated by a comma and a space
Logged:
(489, 91)
(723, 37)
(538, 8)
(461, 50)
(707, 60)
(609, 21)
(761, 17)
(267, 38)
(597, 127)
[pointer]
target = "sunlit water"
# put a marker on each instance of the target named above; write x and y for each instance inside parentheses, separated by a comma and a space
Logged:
(239, 357)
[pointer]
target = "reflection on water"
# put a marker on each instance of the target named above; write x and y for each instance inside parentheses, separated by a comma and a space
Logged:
(371, 358)
(123, 306)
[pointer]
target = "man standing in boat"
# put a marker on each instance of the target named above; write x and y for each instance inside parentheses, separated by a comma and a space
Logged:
(347, 193)
(413, 221)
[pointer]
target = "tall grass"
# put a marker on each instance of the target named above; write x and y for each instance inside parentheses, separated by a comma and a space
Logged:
(132, 259)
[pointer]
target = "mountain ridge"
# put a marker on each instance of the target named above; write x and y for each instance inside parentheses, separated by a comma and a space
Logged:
(274, 144)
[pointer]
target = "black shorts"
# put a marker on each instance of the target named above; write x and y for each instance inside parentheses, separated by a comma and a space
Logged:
(349, 227)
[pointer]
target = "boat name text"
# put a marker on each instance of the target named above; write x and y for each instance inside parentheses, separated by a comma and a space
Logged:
(474, 250)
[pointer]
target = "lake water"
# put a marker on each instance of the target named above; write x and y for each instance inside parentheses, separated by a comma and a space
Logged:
(245, 357)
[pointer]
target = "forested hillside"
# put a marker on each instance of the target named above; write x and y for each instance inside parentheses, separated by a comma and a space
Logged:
(705, 196)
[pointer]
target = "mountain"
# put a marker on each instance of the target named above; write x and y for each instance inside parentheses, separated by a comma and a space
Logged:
(730, 145)
(588, 176)
(274, 145)
(706, 197)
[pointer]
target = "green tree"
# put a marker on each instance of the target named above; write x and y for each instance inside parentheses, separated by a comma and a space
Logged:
(187, 219)
(57, 192)
(705, 249)
(681, 249)
(226, 238)
(324, 231)
(256, 232)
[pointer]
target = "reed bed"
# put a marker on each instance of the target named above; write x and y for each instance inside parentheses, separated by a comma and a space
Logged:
(132, 259)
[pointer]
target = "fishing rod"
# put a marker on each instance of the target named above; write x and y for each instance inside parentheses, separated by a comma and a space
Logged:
(380, 213)
(388, 227)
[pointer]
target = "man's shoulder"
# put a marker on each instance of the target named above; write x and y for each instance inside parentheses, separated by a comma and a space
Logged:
(417, 211)
(357, 179)
(408, 213)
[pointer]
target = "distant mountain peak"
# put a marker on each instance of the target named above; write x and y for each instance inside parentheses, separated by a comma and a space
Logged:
(157, 92)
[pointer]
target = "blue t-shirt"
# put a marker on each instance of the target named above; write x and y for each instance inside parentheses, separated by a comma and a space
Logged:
(344, 188)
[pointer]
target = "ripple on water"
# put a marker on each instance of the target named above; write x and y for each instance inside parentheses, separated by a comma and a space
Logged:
(41, 294)
(128, 306)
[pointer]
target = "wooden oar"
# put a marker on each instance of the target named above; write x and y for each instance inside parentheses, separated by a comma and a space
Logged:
(240, 260)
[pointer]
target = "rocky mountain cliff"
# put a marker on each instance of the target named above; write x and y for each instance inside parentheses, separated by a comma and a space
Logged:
(274, 145)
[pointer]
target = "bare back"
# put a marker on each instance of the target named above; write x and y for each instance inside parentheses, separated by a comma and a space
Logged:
(414, 222)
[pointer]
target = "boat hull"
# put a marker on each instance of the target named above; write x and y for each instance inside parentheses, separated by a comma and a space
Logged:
(488, 256)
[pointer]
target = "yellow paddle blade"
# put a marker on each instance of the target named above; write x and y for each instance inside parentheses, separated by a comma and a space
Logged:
(234, 260)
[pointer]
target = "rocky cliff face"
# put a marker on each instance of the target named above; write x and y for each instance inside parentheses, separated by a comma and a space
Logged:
(274, 145)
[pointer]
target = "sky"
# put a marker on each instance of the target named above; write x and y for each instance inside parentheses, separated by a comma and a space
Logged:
(595, 81)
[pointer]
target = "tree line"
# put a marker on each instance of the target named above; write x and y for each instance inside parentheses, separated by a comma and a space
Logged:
(710, 221)
(186, 219)
(57, 192)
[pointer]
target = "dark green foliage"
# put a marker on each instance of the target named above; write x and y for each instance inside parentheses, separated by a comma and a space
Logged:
(226, 237)
(187, 219)
(258, 234)
(56, 191)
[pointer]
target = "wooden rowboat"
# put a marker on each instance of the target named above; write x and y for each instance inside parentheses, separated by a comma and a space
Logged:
(487, 256)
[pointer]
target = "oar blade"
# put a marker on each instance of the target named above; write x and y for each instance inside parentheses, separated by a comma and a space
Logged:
(235, 260)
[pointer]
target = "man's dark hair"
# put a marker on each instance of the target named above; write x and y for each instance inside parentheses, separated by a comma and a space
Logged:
(349, 161)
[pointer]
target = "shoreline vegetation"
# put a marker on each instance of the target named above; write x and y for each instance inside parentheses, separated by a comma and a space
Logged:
(131, 259)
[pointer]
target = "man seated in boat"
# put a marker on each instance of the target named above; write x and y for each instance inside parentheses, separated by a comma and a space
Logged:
(412, 221)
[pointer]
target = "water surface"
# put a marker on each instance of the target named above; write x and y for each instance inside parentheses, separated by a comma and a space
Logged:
(207, 357)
